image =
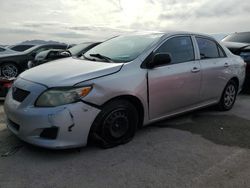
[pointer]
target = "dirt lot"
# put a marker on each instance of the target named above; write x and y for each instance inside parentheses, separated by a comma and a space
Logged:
(201, 149)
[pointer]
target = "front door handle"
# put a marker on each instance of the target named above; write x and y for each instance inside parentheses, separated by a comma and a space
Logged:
(226, 65)
(195, 69)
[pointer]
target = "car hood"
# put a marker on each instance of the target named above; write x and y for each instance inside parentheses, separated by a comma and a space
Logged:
(236, 46)
(69, 71)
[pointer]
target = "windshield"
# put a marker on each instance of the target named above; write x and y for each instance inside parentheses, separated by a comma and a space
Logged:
(123, 48)
(75, 50)
(238, 37)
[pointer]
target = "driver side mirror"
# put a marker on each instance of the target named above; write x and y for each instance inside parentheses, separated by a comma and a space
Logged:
(160, 59)
(65, 54)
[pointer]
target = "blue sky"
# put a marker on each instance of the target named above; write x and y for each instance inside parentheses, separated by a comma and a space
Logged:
(75, 21)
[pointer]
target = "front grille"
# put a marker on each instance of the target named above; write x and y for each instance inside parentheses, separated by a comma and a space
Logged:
(19, 94)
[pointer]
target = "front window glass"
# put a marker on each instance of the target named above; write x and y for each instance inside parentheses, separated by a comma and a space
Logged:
(124, 48)
(180, 49)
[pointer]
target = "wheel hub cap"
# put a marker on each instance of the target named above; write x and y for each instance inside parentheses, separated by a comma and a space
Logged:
(229, 95)
(117, 123)
(9, 71)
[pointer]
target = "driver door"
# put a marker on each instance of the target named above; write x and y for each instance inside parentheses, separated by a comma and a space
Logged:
(176, 86)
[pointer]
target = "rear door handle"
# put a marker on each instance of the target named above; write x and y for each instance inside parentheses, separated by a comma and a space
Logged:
(195, 69)
(226, 65)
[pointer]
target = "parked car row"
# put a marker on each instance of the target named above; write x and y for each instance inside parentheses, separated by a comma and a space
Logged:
(13, 64)
(120, 85)
(53, 54)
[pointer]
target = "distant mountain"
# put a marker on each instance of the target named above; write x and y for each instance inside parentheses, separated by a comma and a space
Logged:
(40, 42)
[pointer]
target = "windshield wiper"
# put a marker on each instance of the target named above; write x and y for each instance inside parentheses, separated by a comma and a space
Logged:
(87, 58)
(100, 56)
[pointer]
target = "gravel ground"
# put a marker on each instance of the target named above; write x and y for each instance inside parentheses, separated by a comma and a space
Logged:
(205, 148)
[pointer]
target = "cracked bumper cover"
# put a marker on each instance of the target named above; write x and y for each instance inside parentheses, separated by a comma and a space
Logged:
(73, 122)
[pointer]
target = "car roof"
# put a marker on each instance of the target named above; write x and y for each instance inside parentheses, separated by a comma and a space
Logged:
(170, 33)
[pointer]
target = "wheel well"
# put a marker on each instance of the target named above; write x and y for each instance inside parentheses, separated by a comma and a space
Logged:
(12, 62)
(134, 101)
(236, 80)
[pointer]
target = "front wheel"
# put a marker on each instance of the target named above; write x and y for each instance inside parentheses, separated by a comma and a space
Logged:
(228, 96)
(116, 124)
(9, 70)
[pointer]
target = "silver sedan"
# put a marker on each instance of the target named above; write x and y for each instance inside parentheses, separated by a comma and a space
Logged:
(120, 85)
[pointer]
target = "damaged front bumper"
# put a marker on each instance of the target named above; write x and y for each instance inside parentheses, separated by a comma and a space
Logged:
(65, 126)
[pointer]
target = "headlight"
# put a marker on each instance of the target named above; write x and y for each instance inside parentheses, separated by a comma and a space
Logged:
(61, 96)
(245, 56)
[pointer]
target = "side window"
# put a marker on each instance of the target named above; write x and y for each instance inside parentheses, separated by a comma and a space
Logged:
(180, 49)
(41, 50)
(208, 48)
(53, 54)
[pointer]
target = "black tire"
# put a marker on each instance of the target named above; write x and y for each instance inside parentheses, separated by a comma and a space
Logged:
(228, 96)
(9, 70)
(116, 124)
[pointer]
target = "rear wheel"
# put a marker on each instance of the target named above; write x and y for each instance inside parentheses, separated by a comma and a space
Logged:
(116, 124)
(9, 70)
(228, 96)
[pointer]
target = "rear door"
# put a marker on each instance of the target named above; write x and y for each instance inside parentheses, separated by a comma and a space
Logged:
(174, 86)
(215, 68)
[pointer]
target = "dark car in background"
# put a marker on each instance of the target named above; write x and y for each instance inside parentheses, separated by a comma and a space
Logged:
(53, 54)
(239, 44)
(13, 64)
